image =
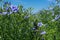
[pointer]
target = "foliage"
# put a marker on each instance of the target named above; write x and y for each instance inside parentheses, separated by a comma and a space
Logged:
(22, 24)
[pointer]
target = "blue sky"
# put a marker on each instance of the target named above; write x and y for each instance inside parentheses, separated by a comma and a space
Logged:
(36, 4)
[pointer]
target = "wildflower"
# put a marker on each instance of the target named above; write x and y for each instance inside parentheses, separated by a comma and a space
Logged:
(44, 32)
(39, 24)
(7, 8)
(9, 3)
(35, 29)
(4, 13)
(14, 8)
(6, 3)
(57, 17)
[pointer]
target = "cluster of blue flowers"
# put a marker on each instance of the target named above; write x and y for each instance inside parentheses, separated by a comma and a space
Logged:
(40, 24)
(9, 8)
(7, 3)
(21, 23)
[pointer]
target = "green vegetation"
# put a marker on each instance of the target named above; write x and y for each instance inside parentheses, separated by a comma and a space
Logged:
(22, 24)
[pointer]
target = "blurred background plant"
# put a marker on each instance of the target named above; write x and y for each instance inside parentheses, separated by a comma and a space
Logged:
(18, 23)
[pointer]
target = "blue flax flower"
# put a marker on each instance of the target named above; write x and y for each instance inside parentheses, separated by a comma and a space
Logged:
(4, 13)
(5, 2)
(39, 24)
(14, 8)
(57, 17)
(9, 3)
